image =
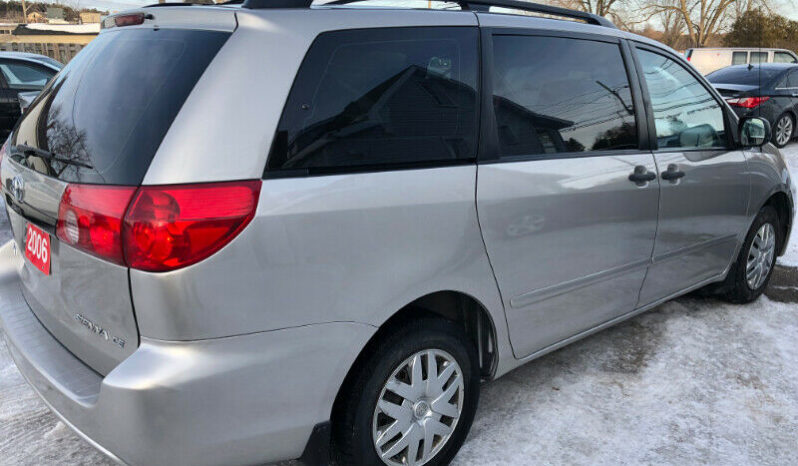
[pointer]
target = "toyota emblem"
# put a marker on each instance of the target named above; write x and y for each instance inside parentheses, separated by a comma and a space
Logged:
(18, 188)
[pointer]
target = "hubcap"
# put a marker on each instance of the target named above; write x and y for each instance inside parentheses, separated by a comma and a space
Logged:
(784, 130)
(418, 408)
(760, 256)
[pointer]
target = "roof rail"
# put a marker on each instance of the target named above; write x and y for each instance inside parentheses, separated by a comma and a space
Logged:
(475, 5)
(483, 5)
(258, 4)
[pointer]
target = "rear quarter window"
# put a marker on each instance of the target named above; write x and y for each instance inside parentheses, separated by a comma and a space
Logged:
(381, 98)
(104, 116)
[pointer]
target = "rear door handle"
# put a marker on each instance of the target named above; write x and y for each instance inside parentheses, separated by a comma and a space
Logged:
(672, 173)
(641, 175)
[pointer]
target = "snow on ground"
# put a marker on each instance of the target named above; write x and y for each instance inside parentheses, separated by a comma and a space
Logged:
(695, 381)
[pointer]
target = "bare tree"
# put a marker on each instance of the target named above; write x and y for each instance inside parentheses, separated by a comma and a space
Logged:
(672, 24)
(626, 14)
(703, 20)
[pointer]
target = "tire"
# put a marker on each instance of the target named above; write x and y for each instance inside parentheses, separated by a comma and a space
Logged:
(357, 421)
(783, 130)
(737, 287)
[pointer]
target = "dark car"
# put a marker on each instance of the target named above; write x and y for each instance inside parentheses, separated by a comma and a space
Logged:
(21, 73)
(769, 91)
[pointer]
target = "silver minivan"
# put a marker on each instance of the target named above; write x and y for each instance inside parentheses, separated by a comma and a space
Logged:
(253, 232)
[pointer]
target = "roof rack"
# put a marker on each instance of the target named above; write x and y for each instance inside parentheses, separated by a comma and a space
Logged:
(474, 5)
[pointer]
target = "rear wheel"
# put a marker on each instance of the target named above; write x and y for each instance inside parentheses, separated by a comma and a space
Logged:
(750, 274)
(784, 130)
(412, 401)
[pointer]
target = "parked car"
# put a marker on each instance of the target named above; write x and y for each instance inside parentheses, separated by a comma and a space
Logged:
(768, 91)
(21, 72)
(249, 233)
(707, 60)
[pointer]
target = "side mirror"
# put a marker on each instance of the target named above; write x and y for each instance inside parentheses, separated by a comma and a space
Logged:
(754, 132)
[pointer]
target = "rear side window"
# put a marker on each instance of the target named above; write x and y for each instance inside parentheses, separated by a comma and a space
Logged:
(739, 58)
(23, 76)
(561, 95)
(686, 116)
(104, 116)
(381, 98)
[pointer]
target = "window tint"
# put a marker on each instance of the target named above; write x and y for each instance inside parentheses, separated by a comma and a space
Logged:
(792, 80)
(759, 57)
(25, 77)
(561, 95)
(381, 97)
(739, 58)
(783, 57)
(109, 108)
(685, 113)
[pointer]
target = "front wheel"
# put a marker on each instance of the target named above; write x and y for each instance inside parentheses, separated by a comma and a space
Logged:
(784, 130)
(411, 401)
(750, 274)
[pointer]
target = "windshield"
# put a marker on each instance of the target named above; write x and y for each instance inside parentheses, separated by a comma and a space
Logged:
(103, 117)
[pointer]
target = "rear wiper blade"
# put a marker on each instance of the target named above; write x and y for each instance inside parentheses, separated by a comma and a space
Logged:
(36, 152)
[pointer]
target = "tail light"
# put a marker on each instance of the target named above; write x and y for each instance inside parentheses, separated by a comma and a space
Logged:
(171, 227)
(156, 228)
(90, 218)
(747, 102)
(3, 151)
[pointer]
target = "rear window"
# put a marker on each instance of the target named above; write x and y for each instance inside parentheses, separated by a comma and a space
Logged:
(103, 117)
(743, 75)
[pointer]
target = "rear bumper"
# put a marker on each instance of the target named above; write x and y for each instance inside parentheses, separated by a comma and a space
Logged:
(238, 400)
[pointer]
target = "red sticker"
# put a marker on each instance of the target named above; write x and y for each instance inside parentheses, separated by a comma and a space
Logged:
(37, 248)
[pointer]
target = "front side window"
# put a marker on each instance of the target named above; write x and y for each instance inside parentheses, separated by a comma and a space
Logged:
(783, 57)
(792, 80)
(685, 113)
(739, 58)
(381, 97)
(25, 77)
(555, 95)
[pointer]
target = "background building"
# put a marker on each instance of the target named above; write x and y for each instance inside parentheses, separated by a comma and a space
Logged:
(89, 17)
(59, 41)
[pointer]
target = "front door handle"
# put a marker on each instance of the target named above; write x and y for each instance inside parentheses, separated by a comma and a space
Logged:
(642, 176)
(672, 173)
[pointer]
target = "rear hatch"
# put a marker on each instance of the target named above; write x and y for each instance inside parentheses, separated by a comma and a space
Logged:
(99, 122)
